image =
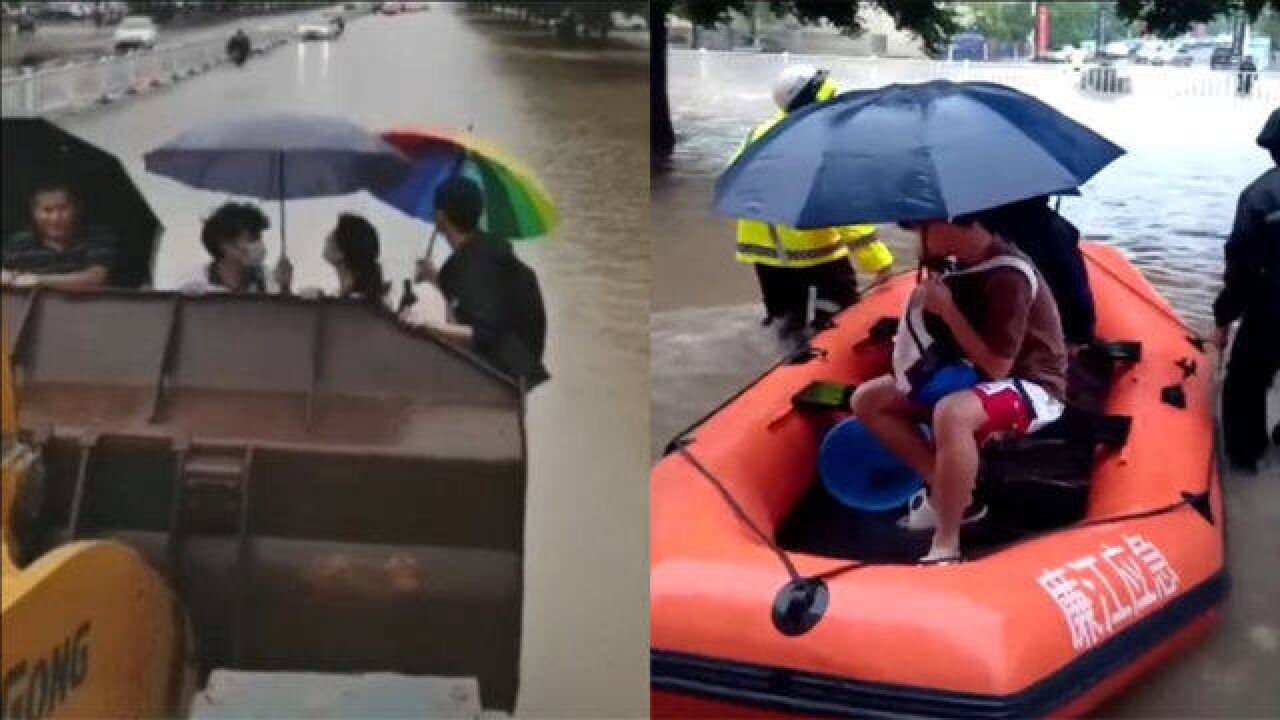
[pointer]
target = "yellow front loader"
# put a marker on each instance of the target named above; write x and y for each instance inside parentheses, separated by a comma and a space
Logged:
(90, 630)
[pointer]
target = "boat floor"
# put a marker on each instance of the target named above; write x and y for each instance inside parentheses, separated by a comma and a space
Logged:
(821, 525)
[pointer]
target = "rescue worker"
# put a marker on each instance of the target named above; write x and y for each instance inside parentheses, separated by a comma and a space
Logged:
(805, 275)
(1251, 293)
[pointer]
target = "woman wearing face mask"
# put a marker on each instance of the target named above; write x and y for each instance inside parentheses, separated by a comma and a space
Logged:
(233, 237)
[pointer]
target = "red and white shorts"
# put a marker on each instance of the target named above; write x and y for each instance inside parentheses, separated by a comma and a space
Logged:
(1016, 406)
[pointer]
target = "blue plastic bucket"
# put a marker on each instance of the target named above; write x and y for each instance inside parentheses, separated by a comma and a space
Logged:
(861, 472)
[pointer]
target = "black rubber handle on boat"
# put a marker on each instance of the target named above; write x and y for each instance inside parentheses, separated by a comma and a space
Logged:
(799, 605)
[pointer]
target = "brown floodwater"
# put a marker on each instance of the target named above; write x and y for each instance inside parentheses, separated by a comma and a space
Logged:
(576, 117)
(1168, 204)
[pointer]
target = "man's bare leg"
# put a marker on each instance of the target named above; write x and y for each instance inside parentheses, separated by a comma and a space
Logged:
(956, 421)
(892, 419)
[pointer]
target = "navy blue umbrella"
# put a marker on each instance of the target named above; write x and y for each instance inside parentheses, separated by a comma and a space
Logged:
(280, 156)
(910, 152)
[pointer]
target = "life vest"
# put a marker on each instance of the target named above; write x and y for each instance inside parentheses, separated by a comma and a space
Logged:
(917, 354)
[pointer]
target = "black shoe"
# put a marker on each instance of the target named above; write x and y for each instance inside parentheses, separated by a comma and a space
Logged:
(790, 327)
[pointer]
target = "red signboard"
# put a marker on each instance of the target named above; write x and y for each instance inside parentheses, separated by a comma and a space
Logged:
(1042, 28)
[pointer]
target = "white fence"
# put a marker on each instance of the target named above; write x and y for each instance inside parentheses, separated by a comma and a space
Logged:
(1137, 81)
(37, 92)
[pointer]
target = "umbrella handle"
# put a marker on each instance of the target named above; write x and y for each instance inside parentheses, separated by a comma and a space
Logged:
(431, 245)
(284, 241)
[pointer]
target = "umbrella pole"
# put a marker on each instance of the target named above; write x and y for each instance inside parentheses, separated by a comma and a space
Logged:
(431, 244)
(284, 243)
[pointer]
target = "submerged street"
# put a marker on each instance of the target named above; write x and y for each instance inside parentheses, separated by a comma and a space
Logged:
(1168, 203)
(576, 119)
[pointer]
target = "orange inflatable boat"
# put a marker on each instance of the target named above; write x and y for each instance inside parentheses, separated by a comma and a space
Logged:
(768, 598)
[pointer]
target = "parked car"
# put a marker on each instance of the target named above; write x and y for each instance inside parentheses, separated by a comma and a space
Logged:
(135, 31)
(318, 29)
(20, 20)
(1224, 59)
(1116, 49)
(628, 21)
(1181, 57)
(391, 8)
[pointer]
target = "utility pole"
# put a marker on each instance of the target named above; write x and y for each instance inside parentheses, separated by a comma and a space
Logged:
(1237, 35)
(1099, 31)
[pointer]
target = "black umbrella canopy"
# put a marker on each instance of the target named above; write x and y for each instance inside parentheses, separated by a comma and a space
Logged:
(36, 150)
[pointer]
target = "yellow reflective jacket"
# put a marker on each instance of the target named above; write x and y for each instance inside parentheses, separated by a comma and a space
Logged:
(782, 246)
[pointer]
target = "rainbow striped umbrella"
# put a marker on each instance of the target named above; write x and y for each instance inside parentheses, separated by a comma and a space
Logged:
(517, 207)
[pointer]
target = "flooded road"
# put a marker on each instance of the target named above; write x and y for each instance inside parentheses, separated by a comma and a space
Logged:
(1168, 203)
(578, 121)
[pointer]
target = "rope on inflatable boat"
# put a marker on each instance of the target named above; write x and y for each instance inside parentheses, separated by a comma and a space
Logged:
(742, 514)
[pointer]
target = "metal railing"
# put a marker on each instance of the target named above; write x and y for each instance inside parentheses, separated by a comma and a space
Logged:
(69, 87)
(1138, 81)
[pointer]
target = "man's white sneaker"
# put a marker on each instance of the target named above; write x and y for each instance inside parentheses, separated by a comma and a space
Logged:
(921, 515)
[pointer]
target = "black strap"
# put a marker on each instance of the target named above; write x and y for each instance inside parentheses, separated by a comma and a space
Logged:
(1026, 399)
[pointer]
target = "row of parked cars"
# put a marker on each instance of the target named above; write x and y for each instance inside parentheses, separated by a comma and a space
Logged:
(1154, 52)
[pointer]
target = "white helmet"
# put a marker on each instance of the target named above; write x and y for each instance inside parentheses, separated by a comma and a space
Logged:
(792, 82)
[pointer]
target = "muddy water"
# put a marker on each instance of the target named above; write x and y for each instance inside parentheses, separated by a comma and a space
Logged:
(1168, 203)
(577, 119)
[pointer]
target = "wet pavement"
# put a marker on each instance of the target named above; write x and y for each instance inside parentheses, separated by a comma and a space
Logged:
(1168, 203)
(577, 119)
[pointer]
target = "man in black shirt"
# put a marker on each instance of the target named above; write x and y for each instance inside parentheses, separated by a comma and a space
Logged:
(57, 250)
(1251, 293)
(495, 304)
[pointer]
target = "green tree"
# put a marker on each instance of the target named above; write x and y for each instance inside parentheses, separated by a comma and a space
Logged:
(1004, 21)
(1073, 23)
(1269, 24)
(1170, 18)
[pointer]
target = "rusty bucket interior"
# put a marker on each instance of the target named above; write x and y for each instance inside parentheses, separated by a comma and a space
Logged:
(328, 490)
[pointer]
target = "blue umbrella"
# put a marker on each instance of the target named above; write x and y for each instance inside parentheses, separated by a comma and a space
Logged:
(280, 156)
(910, 152)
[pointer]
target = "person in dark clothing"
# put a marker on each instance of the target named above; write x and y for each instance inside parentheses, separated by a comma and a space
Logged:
(1053, 244)
(1246, 77)
(58, 249)
(1251, 294)
(494, 299)
(238, 47)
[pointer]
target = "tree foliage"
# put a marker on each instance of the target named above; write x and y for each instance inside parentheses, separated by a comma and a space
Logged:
(932, 21)
(1168, 18)
(1005, 21)
(567, 19)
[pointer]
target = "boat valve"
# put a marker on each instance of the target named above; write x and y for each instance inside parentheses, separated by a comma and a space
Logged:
(799, 605)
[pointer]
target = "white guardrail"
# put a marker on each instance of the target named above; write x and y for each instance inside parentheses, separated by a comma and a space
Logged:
(53, 89)
(1137, 81)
